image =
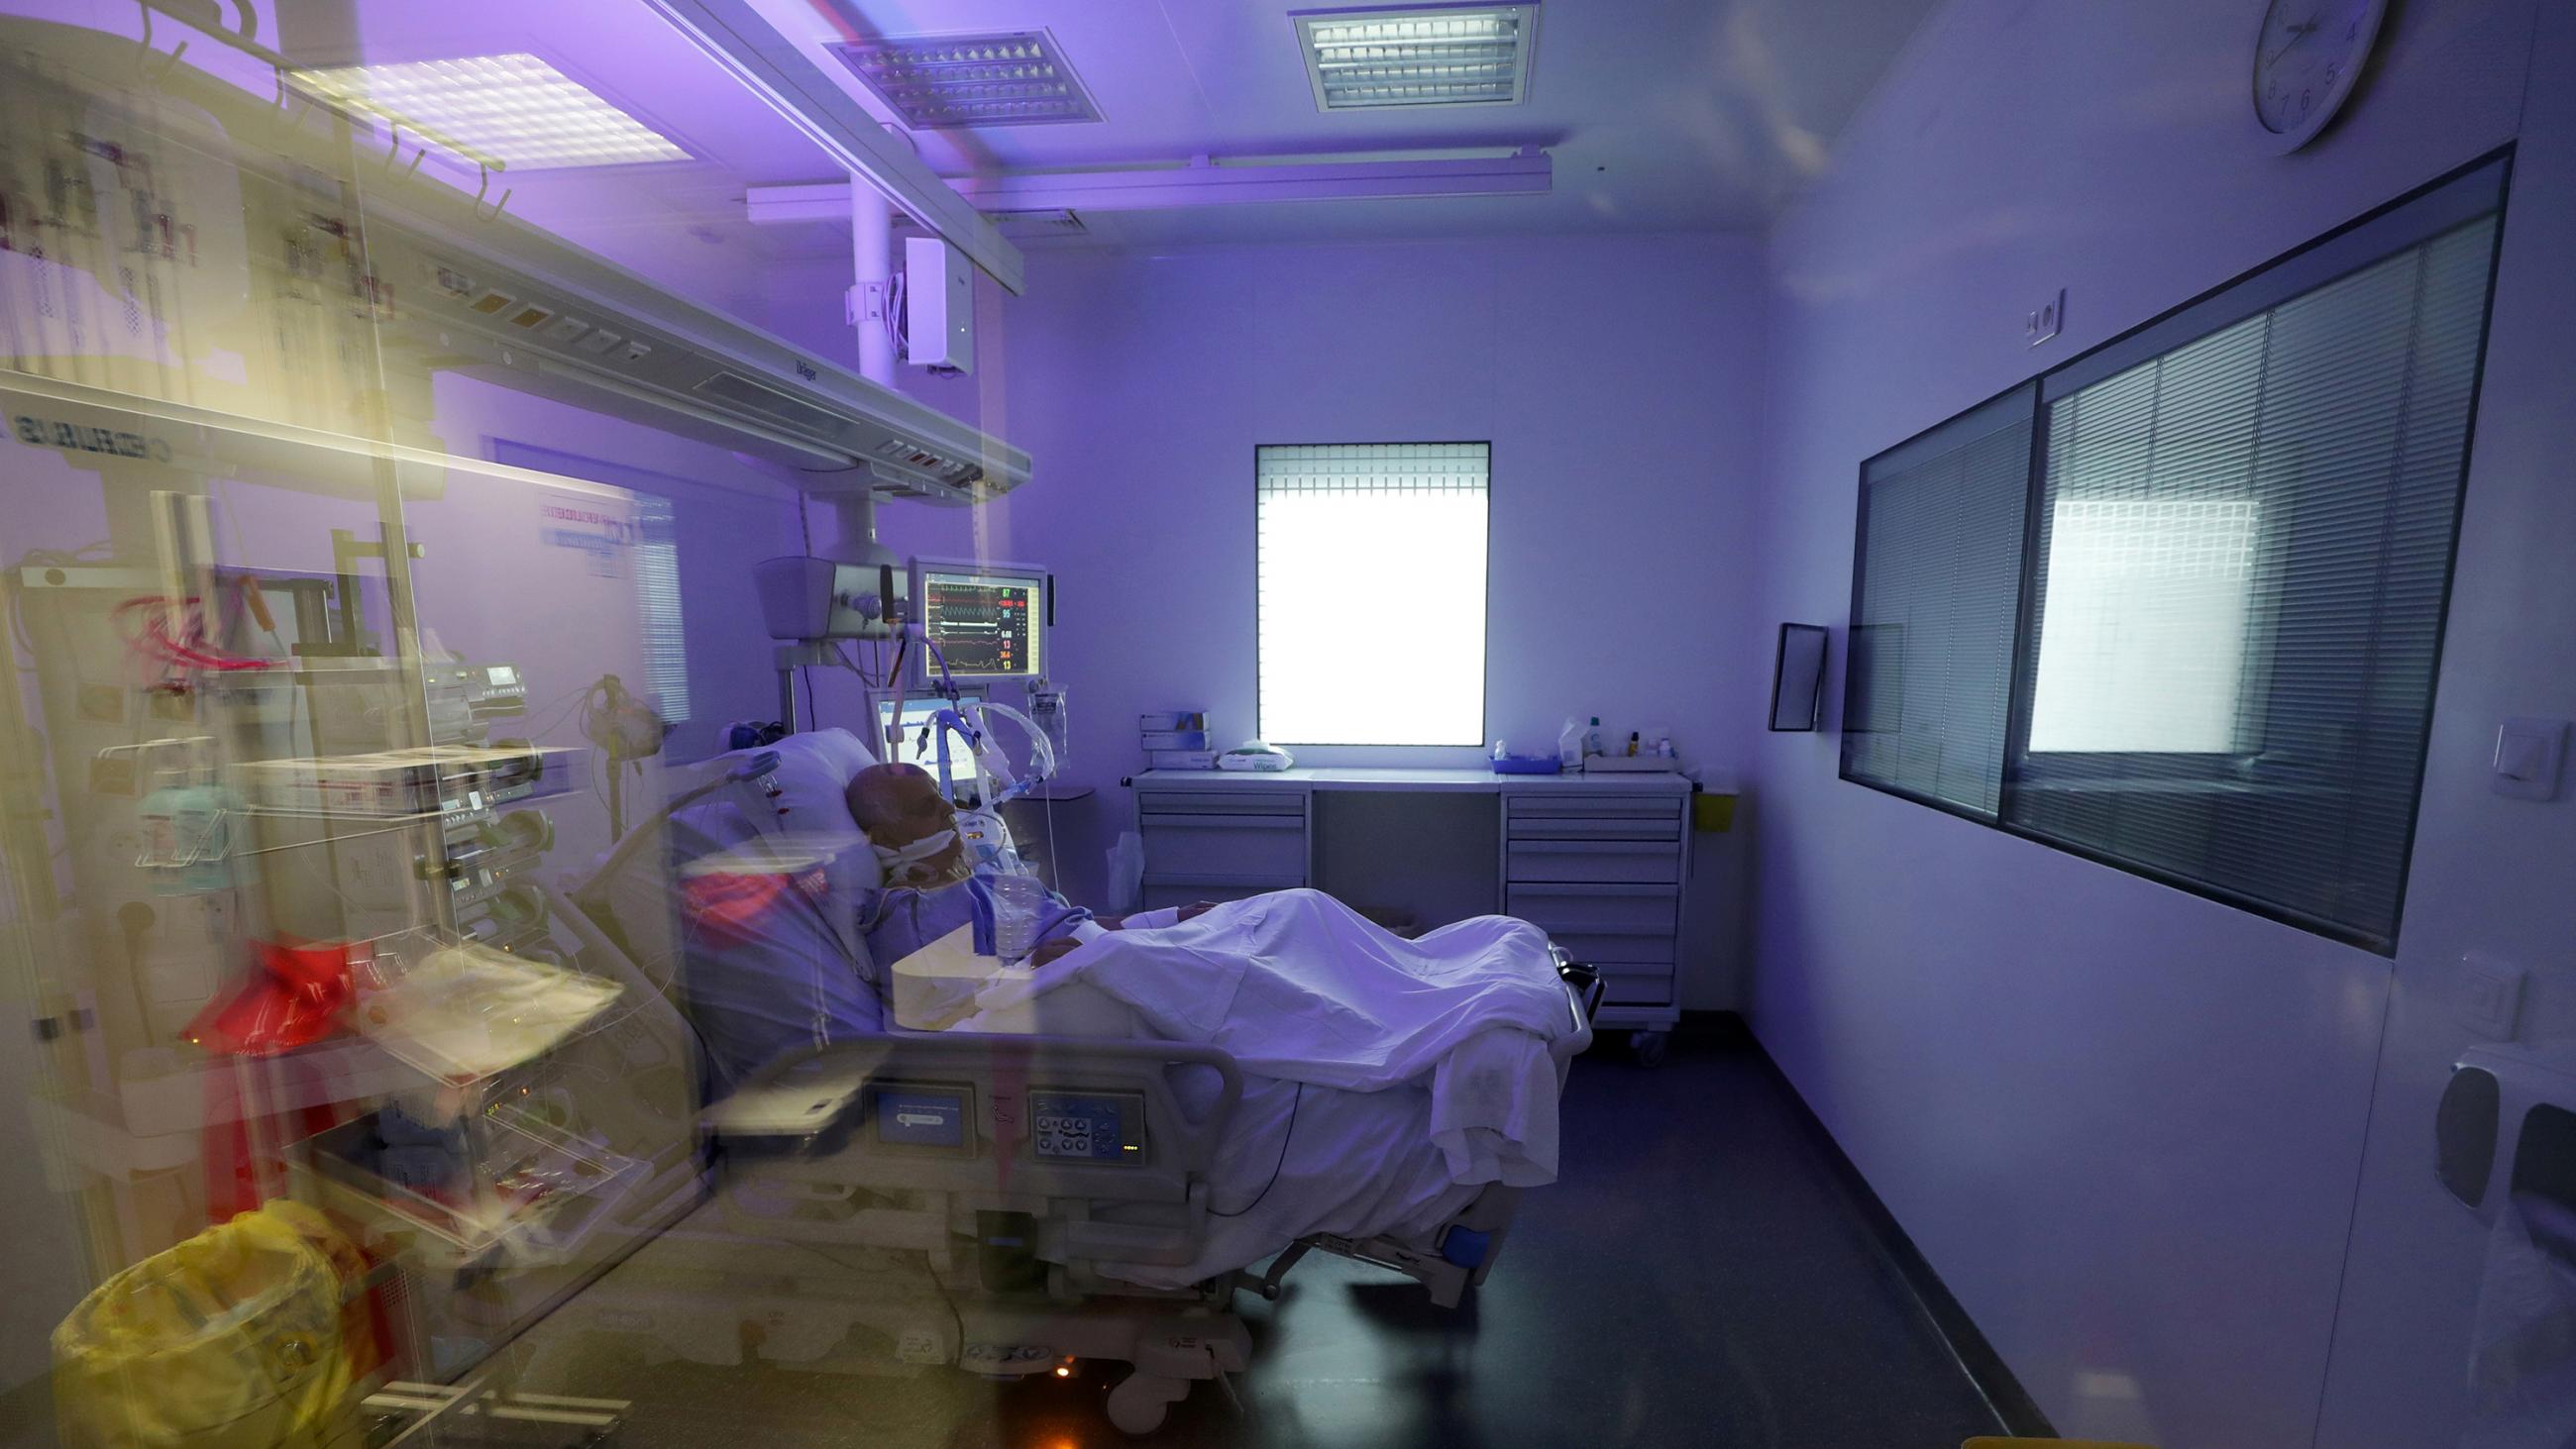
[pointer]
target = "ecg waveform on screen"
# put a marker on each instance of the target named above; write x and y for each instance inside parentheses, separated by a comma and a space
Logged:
(981, 628)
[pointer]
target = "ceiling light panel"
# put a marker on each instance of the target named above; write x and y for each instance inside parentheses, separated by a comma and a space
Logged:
(1444, 55)
(952, 82)
(515, 109)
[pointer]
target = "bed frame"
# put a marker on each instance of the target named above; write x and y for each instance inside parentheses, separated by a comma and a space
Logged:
(1013, 1243)
(831, 1247)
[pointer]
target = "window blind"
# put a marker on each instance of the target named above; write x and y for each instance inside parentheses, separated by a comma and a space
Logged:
(2194, 631)
(657, 586)
(1370, 578)
(1936, 588)
(2244, 551)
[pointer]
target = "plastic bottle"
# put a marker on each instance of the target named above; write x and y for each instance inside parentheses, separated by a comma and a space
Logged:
(1018, 900)
(1632, 744)
(1569, 745)
(1592, 737)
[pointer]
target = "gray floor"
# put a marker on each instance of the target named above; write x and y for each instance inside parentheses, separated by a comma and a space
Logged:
(1697, 1278)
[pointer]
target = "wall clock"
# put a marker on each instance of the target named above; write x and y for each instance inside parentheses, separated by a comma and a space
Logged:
(2306, 61)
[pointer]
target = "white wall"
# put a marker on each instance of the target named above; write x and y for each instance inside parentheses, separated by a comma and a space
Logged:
(2125, 1124)
(2491, 874)
(1618, 379)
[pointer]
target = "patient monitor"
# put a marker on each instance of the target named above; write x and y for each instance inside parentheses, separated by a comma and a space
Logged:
(987, 620)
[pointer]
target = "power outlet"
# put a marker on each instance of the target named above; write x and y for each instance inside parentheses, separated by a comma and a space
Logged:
(2046, 320)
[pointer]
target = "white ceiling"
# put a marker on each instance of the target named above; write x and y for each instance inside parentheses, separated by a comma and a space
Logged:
(1659, 114)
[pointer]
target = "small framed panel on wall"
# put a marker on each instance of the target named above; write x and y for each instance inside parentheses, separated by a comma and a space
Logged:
(1798, 677)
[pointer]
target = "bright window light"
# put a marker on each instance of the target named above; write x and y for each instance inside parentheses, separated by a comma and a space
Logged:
(2144, 625)
(1371, 564)
(514, 109)
(947, 82)
(657, 582)
(1442, 55)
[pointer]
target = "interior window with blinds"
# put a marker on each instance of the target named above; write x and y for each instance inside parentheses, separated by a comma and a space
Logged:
(2222, 601)
(1936, 586)
(1371, 602)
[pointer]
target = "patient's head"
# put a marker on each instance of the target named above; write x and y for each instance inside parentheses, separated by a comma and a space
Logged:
(899, 804)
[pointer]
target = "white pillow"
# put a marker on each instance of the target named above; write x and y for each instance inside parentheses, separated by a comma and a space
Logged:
(752, 995)
(812, 809)
(814, 774)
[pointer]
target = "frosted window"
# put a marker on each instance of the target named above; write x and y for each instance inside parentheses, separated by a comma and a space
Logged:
(1372, 593)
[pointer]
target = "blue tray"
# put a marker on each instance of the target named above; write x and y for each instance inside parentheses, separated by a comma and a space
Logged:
(1527, 765)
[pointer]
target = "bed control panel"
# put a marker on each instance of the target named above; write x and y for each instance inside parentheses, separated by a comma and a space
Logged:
(1097, 1127)
(923, 1116)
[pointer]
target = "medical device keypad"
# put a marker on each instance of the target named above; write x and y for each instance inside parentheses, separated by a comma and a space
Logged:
(1087, 1126)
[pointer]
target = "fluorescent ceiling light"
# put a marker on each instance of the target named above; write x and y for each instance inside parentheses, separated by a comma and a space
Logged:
(514, 109)
(1440, 55)
(950, 82)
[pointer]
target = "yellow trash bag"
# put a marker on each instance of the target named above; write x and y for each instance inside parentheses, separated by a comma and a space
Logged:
(230, 1340)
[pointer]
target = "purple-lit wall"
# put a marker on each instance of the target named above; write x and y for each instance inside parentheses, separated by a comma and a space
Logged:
(1618, 379)
(2126, 1124)
(729, 516)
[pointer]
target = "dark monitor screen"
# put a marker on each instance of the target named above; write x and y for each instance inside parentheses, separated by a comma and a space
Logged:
(1797, 680)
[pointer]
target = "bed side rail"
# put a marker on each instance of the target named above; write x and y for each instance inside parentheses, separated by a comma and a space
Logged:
(929, 1130)
(1583, 991)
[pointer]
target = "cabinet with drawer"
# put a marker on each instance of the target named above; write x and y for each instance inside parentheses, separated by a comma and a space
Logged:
(1221, 844)
(1602, 873)
(1598, 863)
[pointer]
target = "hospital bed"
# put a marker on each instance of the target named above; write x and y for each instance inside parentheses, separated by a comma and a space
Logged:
(919, 1199)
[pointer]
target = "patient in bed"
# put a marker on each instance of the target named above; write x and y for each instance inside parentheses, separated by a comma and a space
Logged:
(1385, 1080)
(931, 888)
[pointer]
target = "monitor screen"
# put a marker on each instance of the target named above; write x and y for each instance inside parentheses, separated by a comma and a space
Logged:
(987, 625)
(925, 753)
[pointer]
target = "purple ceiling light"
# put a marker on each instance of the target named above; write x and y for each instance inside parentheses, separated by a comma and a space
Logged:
(953, 82)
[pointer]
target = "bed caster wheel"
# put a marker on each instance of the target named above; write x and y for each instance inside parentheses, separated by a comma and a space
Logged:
(1648, 1046)
(1140, 1401)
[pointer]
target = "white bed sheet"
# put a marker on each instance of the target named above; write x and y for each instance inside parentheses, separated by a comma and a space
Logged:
(1387, 1080)
(1302, 1159)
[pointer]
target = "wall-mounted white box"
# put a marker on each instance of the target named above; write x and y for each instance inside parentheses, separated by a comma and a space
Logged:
(2529, 756)
(938, 305)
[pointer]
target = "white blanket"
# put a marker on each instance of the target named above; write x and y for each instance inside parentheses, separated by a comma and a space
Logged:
(1391, 1077)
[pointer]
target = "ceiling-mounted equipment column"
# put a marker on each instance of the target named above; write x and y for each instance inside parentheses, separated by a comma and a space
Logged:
(871, 306)
(783, 73)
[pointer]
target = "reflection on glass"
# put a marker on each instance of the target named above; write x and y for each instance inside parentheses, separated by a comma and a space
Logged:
(2147, 603)
(459, 991)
